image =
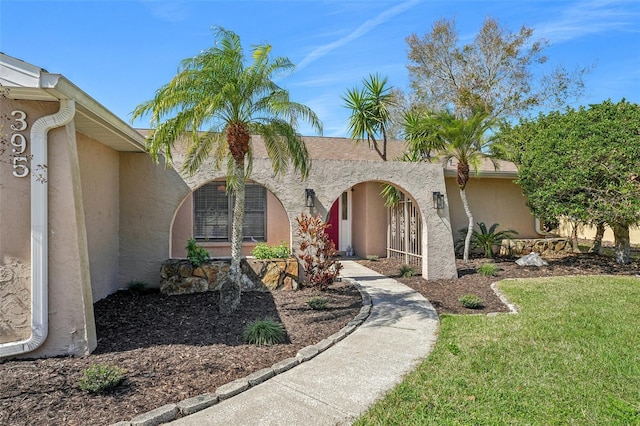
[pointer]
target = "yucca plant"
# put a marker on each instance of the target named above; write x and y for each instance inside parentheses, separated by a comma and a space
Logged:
(264, 332)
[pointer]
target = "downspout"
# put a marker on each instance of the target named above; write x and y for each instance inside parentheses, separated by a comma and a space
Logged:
(40, 231)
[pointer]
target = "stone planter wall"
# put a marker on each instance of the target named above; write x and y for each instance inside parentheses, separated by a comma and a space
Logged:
(179, 276)
(542, 246)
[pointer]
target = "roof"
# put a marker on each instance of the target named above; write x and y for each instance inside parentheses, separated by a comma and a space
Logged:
(336, 148)
(25, 81)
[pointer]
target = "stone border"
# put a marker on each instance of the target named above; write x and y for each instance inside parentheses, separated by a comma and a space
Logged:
(513, 309)
(171, 412)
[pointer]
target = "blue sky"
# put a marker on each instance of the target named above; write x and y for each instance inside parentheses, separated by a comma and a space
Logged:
(120, 52)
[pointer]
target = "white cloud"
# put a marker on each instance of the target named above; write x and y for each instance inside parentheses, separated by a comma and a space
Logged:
(588, 18)
(358, 32)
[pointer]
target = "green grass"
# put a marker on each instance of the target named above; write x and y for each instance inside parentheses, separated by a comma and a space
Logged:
(571, 357)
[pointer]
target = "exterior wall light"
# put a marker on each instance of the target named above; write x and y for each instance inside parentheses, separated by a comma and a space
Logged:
(310, 197)
(438, 200)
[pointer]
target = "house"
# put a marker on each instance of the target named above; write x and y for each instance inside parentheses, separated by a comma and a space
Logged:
(84, 210)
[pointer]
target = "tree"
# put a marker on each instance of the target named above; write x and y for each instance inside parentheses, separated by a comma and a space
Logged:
(370, 112)
(581, 164)
(216, 102)
(462, 139)
(494, 73)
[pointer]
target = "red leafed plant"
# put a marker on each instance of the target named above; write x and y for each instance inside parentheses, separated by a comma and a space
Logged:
(317, 252)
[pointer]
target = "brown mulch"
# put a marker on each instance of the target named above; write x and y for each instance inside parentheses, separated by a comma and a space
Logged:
(177, 347)
(444, 294)
(172, 348)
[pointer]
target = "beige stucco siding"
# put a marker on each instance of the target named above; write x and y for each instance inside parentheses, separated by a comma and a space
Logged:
(15, 229)
(589, 232)
(491, 200)
(369, 220)
(149, 196)
(99, 172)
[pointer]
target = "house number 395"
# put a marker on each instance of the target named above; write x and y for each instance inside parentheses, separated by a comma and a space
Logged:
(19, 144)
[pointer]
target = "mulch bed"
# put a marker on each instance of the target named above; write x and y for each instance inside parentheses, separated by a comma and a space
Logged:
(172, 348)
(444, 294)
(177, 347)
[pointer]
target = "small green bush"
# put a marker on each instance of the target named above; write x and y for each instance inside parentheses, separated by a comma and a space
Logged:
(265, 251)
(137, 286)
(407, 271)
(317, 303)
(488, 269)
(372, 257)
(264, 332)
(196, 254)
(471, 301)
(101, 377)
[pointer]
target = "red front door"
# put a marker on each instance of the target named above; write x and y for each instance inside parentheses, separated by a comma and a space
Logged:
(334, 220)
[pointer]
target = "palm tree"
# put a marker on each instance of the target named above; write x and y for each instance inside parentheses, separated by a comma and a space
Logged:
(216, 102)
(370, 113)
(462, 139)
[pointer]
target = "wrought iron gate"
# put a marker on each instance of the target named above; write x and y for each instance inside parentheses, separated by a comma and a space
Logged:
(404, 236)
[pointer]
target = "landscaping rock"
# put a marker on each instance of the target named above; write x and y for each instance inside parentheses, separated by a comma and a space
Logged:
(197, 403)
(532, 259)
(164, 414)
(233, 388)
(284, 365)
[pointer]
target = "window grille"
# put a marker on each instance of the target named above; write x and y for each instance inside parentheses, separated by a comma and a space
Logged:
(213, 212)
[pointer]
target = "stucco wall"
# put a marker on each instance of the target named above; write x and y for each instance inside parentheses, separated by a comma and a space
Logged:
(369, 220)
(70, 311)
(15, 230)
(329, 178)
(149, 197)
(589, 232)
(99, 172)
(491, 200)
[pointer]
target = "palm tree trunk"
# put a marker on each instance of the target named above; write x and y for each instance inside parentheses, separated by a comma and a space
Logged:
(467, 210)
(230, 290)
(622, 243)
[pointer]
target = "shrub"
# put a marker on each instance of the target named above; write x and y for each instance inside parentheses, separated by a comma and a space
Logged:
(137, 286)
(317, 252)
(317, 303)
(486, 239)
(196, 254)
(407, 271)
(471, 301)
(265, 251)
(372, 257)
(488, 269)
(264, 332)
(100, 378)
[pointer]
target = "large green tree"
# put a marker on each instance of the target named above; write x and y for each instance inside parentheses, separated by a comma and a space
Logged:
(370, 117)
(581, 164)
(216, 102)
(501, 72)
(463, 139)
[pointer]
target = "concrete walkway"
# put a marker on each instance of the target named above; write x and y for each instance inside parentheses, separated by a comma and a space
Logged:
(340, 384)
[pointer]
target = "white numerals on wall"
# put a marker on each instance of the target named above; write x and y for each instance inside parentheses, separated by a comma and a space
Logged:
(19, 159)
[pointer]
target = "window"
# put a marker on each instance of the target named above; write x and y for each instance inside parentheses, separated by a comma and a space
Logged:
(213, 212)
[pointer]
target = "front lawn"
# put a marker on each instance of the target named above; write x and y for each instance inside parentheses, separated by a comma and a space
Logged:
(571, 356)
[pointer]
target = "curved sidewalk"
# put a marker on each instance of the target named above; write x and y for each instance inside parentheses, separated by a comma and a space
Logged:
(340, 384)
